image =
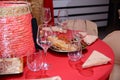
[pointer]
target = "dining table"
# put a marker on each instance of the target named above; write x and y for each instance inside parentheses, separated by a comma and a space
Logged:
(60, 65)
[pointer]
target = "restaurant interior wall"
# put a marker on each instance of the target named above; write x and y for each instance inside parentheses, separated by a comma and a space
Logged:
(95, 10)
(113, 13)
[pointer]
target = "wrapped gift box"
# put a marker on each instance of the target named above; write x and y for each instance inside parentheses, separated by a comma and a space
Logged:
(15, 35)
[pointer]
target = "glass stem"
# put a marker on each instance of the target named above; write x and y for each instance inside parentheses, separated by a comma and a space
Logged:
(46, 24)
(44, 66)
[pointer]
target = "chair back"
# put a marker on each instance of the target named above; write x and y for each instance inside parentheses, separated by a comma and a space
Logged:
(79, 24)
(113, 40)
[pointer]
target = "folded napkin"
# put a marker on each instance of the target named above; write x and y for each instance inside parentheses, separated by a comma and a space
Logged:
(83, 34)
(95, 59)
(52, 78)
(89, 39)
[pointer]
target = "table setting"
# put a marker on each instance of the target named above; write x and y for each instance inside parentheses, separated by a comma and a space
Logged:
(65, 53)
(85, 63)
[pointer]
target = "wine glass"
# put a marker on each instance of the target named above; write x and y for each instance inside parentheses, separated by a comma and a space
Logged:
(46, 15)
(42, 40)
(75, 47)
(62, 18)
(77, 54)
(34, 61)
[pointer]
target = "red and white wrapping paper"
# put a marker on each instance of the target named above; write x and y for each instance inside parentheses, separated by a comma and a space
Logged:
(15, 30)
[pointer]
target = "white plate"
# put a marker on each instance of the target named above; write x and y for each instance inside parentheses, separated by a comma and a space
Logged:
(62, 51)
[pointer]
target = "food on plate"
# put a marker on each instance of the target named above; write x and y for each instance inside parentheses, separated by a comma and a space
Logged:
(55, 29)
(64, 38)
(61, 44)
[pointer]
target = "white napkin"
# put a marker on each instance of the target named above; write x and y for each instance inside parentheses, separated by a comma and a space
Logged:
(95, 59)
(89, 39)
(52, 78)
(83, 34)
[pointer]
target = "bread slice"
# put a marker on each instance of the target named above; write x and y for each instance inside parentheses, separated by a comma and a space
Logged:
(95, 59)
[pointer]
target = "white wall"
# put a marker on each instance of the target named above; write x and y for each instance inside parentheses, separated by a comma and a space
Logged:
(95, 10)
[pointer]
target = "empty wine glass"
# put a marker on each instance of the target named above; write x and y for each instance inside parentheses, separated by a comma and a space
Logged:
(75, 53)
(62, 18)
(42, 41)
(46, 15)
(34, 61)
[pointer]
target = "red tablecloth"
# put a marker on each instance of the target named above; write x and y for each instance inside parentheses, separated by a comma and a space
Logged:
(60, 65)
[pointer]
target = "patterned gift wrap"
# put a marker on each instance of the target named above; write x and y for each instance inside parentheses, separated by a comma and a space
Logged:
(16, 39)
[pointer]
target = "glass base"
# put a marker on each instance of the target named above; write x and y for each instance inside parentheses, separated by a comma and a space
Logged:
(45, 66)
(75, 56)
